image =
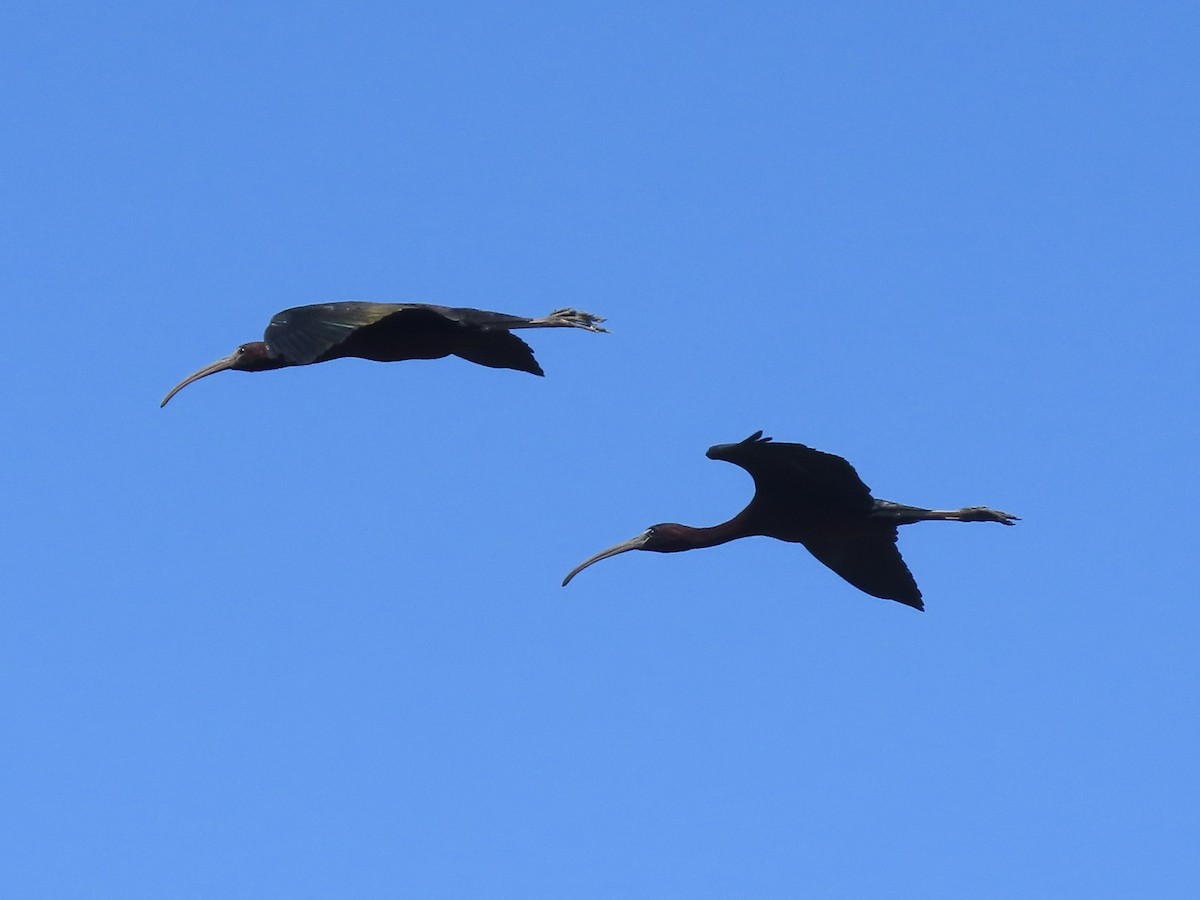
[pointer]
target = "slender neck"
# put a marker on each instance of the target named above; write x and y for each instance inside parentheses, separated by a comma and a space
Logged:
(695, 538)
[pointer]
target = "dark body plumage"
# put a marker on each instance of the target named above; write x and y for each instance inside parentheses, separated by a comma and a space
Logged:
(391, 332)
(816, 499)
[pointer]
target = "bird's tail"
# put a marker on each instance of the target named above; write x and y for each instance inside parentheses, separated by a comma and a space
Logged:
(568, 318)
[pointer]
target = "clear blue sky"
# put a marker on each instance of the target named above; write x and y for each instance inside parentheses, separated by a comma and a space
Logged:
(301, 634)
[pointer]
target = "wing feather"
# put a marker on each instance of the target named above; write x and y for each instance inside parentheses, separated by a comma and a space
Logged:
(871, 562)
(497, 349)
(306, 333)
(797, 475)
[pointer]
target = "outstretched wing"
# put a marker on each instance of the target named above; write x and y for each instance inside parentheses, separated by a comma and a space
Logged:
(808, 482)
(306, 333)
(497, 349)
(817, 498)
(871, 562)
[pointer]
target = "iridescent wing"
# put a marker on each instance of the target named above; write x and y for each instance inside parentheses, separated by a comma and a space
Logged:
(304, 334)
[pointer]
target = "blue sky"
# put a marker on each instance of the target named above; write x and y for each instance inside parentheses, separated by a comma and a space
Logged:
(301, 633)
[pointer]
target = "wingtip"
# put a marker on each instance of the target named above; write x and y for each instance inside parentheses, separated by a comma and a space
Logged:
(910, 597)
(718, 451)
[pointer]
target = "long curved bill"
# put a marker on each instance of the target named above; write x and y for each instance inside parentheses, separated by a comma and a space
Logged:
(225, 362)
(634, 543)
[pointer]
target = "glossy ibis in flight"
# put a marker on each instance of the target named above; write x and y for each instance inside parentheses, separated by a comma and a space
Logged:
(389, 332)
(804, 496)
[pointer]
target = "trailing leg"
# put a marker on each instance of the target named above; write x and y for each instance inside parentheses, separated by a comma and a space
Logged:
(566, 318)
(906, 515)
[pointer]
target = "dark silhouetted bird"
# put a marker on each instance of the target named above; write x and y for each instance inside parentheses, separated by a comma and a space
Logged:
(389, 332)
(804, 496)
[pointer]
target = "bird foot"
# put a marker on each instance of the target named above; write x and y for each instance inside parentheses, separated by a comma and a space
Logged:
(574, 318)
(986, 514)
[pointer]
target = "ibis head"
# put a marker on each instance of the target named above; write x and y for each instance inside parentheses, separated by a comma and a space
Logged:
(251, 357)
(666, 537)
